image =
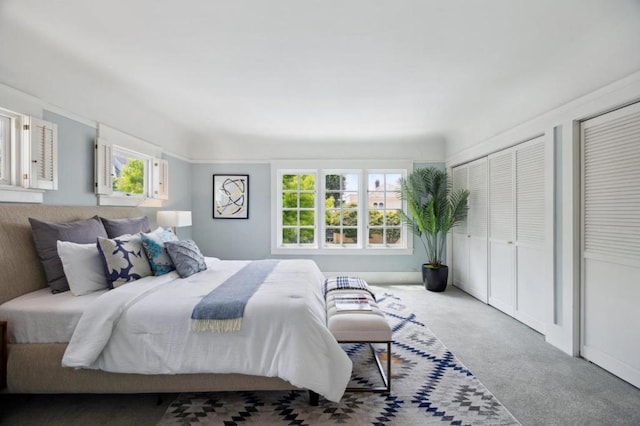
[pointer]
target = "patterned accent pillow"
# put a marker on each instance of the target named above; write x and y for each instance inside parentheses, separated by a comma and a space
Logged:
(186, 257)
(123, 259)
(153, 243)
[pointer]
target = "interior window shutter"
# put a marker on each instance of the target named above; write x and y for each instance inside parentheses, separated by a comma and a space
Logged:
(459, 175)
(43, 158)
(103, 167)
(5, 150)
(530, 196)
(501, 196)
(160, 177)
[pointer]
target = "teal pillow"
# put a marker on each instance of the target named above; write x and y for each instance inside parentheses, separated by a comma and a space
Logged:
(153, 243)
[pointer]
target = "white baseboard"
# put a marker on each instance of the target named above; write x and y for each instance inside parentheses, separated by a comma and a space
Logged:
(382, 277)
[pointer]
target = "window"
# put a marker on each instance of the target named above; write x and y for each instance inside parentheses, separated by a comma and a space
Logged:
(324, 210)
(126, 176)
(385, 223)
(128, 171)
(298, 209)
(28, 157)
(341, 207)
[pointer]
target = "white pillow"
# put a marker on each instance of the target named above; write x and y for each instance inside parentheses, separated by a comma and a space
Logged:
(82, 267)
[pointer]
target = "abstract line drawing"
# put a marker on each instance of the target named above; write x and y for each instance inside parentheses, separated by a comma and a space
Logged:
(230, 196)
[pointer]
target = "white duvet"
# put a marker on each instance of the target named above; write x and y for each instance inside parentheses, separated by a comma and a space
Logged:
(144, 327)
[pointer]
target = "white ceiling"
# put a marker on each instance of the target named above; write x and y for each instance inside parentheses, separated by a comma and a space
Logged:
(342, 70)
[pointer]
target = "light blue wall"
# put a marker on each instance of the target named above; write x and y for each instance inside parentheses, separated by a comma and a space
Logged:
(232, 238)
(75, 163)
(179, 192)
(190, 188)
(251, 238)
(75, 171)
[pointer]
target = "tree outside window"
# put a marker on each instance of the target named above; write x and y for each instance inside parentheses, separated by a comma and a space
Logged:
(130, 178)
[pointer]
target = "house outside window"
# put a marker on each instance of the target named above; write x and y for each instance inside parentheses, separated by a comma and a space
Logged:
(326, 210)
(341, 208)
(384, 219)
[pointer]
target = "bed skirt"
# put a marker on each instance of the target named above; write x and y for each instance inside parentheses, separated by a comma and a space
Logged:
(36, 368)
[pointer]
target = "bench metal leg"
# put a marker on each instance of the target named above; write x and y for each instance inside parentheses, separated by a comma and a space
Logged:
(314, 398)
(386, 378)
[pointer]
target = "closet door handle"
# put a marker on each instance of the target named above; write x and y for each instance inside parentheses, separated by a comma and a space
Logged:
(509, 242)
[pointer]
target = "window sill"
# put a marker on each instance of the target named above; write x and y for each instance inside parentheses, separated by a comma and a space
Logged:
(14, 194)
(343, 251)
(110, 200)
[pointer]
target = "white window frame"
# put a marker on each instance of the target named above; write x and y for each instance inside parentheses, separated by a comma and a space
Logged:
(323, 210)
(156, 170)
(146, 163)
(404, 234)
(320, 169)
(280, 224)
(30, 160)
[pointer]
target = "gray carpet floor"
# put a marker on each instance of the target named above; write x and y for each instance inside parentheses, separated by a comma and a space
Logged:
(538, 383)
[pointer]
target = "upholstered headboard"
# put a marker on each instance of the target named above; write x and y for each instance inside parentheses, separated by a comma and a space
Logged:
(20, 268)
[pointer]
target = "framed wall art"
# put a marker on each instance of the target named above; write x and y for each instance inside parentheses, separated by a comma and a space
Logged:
(230, 196)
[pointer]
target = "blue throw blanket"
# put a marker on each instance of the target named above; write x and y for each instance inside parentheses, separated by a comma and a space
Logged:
(223, 308)
(346, 283)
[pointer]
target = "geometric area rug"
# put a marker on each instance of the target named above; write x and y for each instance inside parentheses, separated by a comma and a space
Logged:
(429, 386)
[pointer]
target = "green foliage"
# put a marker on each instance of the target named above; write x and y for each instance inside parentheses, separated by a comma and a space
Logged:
(131, 180)
(434, 208)
(298, 203)
(333, 184)
(381, 218)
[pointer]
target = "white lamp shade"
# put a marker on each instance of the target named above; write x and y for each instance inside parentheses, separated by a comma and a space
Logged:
(174, 218)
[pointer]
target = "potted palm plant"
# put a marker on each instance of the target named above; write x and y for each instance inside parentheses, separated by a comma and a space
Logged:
(433, 209)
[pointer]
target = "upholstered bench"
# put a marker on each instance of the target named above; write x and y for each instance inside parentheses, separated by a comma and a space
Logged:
(367, 326)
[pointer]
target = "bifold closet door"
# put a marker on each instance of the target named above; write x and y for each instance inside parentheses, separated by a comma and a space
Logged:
(611, 242)
(533, 268)
(470, 237)
(520, 262)
(501, 231)
(477, 229)
(460, 241)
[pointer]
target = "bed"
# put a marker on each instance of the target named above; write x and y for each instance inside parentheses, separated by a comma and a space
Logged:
(35, 362)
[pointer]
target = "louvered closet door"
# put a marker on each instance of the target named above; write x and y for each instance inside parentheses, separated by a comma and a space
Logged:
(501, 232)
(477, 229)
(533, 286)
(611, 242)
(460, 251)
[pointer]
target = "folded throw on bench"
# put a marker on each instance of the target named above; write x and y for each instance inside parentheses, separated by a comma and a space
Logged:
(346, 283)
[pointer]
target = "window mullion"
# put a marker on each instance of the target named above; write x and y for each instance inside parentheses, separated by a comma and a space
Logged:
(350, 224)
